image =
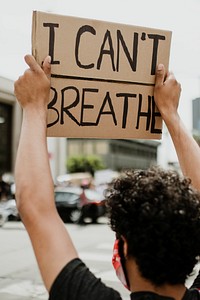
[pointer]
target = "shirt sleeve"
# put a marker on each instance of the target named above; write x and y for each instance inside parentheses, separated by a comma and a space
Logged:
(75, 281)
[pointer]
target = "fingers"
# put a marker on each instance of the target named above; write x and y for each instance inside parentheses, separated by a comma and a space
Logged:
(34, 66)
(46, 66)
(160, 75)
(31, 62)
(171, 76)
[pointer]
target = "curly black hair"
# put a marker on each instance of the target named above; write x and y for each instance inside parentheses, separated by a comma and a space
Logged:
(158, 212)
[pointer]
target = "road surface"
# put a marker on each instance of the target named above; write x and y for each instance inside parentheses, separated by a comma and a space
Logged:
(19, 275)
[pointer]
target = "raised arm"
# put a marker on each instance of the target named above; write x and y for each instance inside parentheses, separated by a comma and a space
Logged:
(166, 94)
(34, 185)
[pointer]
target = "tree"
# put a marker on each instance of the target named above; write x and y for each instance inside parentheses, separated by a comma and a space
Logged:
(197, 138)
(83, 163)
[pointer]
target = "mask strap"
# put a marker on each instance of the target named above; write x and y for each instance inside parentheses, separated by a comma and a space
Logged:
(123, 260)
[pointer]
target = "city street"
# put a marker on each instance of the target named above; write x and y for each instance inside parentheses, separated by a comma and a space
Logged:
(19, 275)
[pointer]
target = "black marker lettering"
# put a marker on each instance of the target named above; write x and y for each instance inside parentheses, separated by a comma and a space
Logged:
(144, 114)
(86, 106)
(110, 112)
(156, 38)
(103, 51)
(50, 106)
(132, 61)
(85, 28)
(125, 110)
(52, 27)
(67, 108)
(155, 113)
(143, 36)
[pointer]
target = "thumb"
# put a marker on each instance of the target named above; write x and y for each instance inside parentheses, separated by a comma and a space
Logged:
(160, 75)
(46, 66)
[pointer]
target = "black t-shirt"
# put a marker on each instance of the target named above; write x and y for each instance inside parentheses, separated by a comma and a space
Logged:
(76, 282)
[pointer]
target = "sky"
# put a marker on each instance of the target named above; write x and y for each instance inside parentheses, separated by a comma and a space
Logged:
(180, 17)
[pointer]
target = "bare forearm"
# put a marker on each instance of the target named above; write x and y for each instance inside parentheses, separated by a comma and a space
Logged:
(35, 197)
(34, 186)
(33, 176)
(166, 94)
(187, 149)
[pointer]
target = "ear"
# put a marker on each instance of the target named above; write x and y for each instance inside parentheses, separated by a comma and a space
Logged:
(125, 247)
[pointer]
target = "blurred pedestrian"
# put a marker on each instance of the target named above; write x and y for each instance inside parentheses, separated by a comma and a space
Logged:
(5, 191)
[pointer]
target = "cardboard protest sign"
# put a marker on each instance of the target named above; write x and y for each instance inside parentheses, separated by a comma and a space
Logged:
(102, 78)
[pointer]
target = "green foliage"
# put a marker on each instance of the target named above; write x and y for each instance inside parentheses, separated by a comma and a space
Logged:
(82, 163)
(197, 138)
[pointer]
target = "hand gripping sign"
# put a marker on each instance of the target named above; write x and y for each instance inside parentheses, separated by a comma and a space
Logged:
(103, 76)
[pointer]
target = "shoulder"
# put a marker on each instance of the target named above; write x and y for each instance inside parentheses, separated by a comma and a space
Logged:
(75, 281)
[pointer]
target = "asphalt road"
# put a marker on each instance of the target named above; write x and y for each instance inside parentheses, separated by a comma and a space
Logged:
(19, 275)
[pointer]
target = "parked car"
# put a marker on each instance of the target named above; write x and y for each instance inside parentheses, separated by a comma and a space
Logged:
(73, 179)
(76, 204)
(8, 211)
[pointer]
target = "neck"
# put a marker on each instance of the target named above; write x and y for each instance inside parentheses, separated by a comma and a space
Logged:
(140, 284)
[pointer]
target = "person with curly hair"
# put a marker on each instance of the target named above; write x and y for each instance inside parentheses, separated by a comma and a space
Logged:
(155, 213)
(156, 216)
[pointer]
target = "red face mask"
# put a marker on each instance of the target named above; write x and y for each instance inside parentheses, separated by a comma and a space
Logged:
(119, 266)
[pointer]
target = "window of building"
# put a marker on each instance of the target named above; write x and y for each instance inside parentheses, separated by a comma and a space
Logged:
(6, 137)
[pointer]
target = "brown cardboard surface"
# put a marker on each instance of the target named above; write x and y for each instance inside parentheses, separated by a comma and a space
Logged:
(103, 76)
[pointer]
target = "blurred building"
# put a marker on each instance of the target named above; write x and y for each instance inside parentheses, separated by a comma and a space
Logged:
(10, 126)
(196, 116)
(117, 154)
(10, 123)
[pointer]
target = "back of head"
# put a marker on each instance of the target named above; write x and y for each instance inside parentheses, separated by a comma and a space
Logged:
(158, 213)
